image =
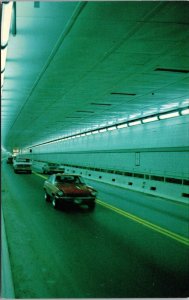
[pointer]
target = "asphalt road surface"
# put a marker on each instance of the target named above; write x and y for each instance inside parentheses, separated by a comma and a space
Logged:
(132, 245)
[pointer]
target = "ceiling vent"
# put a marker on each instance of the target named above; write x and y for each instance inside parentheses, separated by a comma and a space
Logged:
(171, 70)
(123, 94)
(36, 4)
(101, 104)
(73, 117)
(85, 111)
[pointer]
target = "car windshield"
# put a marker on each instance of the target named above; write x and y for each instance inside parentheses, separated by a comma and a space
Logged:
(23, 160)
(69, 179)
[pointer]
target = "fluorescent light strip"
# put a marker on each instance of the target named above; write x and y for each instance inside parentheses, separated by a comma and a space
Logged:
(169, 115)
(150, 119)
(133, 123)
(122, 125)
(112, 128)
(185, 112)
(95, 132)
(2, 79)
(102, 130)
(6, 21)
(3, 58)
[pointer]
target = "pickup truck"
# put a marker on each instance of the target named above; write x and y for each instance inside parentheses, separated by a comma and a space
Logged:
(21, 165)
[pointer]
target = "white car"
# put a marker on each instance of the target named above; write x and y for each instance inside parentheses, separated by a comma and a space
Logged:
(51, 168)
(21, 165)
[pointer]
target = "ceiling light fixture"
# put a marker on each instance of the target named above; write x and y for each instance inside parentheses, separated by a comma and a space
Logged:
(122, 125)
(112, 128)
(3, 59)
(185, 112)
(2, 79)
(150, 119)
(95, 132)
(169, 115)
(5, 22)
(133, 123)
(102, 130)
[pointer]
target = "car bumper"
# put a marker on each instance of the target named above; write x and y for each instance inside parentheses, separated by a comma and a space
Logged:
(76, 200)
(20, 169)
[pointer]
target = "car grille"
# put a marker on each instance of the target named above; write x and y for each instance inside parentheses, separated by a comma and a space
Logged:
(23, 166)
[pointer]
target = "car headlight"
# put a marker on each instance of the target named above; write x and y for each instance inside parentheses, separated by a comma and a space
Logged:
(60, 194)
(93, 193)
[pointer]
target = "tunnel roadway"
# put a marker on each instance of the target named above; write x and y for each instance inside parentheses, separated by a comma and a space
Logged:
(132, 245)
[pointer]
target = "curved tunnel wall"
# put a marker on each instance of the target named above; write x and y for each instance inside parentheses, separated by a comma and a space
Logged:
(154, 149)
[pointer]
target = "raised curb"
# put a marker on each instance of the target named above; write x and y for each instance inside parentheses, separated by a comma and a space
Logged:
(7, 286)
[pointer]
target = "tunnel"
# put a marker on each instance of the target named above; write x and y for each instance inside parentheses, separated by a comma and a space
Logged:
(94, 149)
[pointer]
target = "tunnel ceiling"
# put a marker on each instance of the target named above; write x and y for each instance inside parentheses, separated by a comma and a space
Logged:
(77, 66)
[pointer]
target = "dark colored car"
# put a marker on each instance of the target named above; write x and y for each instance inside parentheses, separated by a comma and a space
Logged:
(62, 189)
(50, 168)
(10, 160)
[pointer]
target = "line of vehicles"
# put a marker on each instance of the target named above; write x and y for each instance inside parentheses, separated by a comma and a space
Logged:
(61, 189)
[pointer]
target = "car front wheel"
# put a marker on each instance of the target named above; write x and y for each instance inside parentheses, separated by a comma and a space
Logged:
(47, 197)
(54, 203)
(91, 206)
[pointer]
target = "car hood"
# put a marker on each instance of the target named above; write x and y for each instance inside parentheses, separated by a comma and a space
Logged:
(74, 189)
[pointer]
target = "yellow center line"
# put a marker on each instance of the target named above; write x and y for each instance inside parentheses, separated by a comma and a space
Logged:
(143, 222)
(45, 177)
(150, 225)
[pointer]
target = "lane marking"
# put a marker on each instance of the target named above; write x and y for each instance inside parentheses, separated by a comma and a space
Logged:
(143, 222)
(37, 174)
(170, 234)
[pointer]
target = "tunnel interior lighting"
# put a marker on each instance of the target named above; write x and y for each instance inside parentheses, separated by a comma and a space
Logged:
(112, 128)
(5, 22)
(169, 115)
(122, 125)
(134, 123)
(171, 70)
(151, 119)
(95, 132)
(2, 79)
(123, 94)
(102, 130)
(185, 112)
(3, 58)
